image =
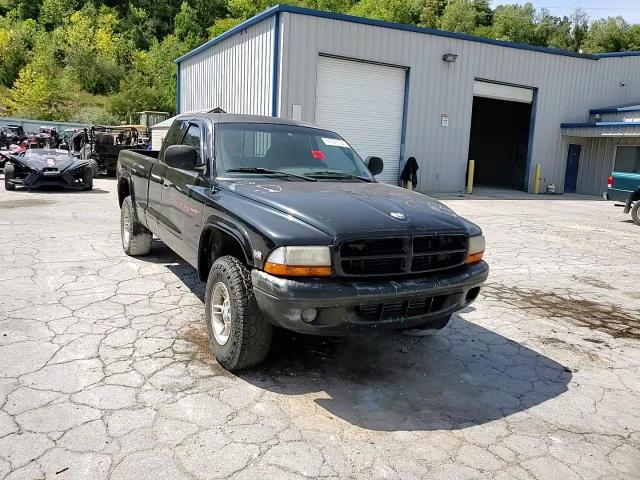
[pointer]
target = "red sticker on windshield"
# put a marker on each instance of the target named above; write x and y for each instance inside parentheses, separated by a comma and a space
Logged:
(317, 154)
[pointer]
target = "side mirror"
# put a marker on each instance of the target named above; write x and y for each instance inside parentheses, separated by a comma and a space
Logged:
(374, 164)
(182, 157)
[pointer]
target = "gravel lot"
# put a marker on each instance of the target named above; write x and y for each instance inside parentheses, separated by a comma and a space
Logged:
(105, 370)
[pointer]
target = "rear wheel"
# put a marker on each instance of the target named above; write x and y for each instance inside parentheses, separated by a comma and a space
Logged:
(635, 212)
(136, 239)
(239, 336)
(9, 174)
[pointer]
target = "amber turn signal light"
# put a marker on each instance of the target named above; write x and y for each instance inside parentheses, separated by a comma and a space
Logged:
(296, 270)
(474, 257)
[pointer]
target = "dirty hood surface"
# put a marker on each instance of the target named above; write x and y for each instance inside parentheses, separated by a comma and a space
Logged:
(351, 208)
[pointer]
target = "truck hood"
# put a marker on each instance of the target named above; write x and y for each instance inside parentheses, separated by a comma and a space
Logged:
(347, 209)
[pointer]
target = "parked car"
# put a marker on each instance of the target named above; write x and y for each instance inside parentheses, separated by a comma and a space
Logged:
(38, 167)
(289, 228)
(625, 187)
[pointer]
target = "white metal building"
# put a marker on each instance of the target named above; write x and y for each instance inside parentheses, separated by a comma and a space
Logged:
(399, 91)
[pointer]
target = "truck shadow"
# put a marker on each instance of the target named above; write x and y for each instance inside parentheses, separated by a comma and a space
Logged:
(464, 375)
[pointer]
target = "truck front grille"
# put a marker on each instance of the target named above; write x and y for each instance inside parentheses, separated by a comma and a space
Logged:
(373, 312)
(400, 255)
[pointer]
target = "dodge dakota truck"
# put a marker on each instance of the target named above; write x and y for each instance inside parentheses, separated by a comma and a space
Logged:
(289, 228)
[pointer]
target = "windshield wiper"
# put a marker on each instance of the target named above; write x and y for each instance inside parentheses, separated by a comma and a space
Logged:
(268, 171)
(336, 174)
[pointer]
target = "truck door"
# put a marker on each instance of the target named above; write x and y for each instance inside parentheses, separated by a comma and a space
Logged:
(155, 215)
(183, 193)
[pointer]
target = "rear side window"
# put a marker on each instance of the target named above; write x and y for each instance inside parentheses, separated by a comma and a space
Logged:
(175, 134)
(627, 159)
(193, 138)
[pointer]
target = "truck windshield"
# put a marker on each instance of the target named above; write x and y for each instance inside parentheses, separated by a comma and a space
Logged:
(257, 148)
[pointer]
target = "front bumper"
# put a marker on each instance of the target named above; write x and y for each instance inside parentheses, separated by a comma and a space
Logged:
(66, 179)
(345, 307)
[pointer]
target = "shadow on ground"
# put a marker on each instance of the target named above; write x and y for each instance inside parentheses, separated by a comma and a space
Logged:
(463, 376)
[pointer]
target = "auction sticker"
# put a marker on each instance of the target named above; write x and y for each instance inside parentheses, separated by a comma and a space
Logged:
(335, 142)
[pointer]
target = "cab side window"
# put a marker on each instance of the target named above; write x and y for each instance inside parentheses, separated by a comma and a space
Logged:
(193, 138)
(175, 134)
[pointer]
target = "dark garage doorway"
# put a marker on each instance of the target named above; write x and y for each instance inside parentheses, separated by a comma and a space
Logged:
(499, 142)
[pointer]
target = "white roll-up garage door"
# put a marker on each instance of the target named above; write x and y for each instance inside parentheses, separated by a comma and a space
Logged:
(499, 91)
(363, 102)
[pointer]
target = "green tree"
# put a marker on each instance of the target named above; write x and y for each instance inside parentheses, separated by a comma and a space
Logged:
(16, 41)
(53, 13)
(484, 14)
(221, 25)
(431, 13)
(514, 23)
(42, 90)
(613, 34)
(458, 16)
(187, 27)
(390, 10)
(151, 84)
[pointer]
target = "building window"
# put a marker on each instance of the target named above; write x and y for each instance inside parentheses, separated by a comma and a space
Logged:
(627, 159)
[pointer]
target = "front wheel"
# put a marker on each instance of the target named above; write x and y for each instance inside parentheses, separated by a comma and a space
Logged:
(635, 212)
(9, 174)
(239, 336)
(136, 239)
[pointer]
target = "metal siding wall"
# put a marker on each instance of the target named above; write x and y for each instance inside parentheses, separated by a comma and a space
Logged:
(567, 88)
(234, 74)
(596, 161)
(31, 126)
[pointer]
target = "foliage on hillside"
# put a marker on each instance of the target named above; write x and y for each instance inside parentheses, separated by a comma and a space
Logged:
(104, 60)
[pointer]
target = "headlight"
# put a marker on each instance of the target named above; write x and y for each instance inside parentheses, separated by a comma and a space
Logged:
(299, 262)
(476, 249)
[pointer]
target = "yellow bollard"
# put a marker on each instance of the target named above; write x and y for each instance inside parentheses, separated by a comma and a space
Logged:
(472, 165)
(537, 179)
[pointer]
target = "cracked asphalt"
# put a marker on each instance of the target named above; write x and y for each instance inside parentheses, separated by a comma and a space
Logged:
(105, 370)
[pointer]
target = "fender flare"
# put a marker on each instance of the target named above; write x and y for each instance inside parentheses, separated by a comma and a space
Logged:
(125, 177)
(235, 230)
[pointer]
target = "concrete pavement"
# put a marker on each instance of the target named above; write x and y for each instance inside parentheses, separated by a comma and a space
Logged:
(105, 369)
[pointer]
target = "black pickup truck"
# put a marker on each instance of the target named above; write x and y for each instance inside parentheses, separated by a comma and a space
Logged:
(289, 228)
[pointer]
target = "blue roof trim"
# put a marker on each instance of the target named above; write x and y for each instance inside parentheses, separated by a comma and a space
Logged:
(599, 124)
(231, 32)
(396, 26)
(616, 54)
(630, 107)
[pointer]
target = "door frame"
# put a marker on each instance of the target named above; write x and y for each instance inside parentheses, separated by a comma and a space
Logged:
(566, 171)
(532, 123)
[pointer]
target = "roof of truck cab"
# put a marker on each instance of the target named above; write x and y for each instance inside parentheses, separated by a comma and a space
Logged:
(237, 118)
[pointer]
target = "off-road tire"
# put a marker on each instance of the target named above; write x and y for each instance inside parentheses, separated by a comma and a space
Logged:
(250, 335)
(88, 178)
(9, 174)
(635, 212)
(138, 240)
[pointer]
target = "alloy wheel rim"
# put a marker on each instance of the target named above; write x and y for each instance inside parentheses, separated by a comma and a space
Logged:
(221, 313)
(126, 226)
